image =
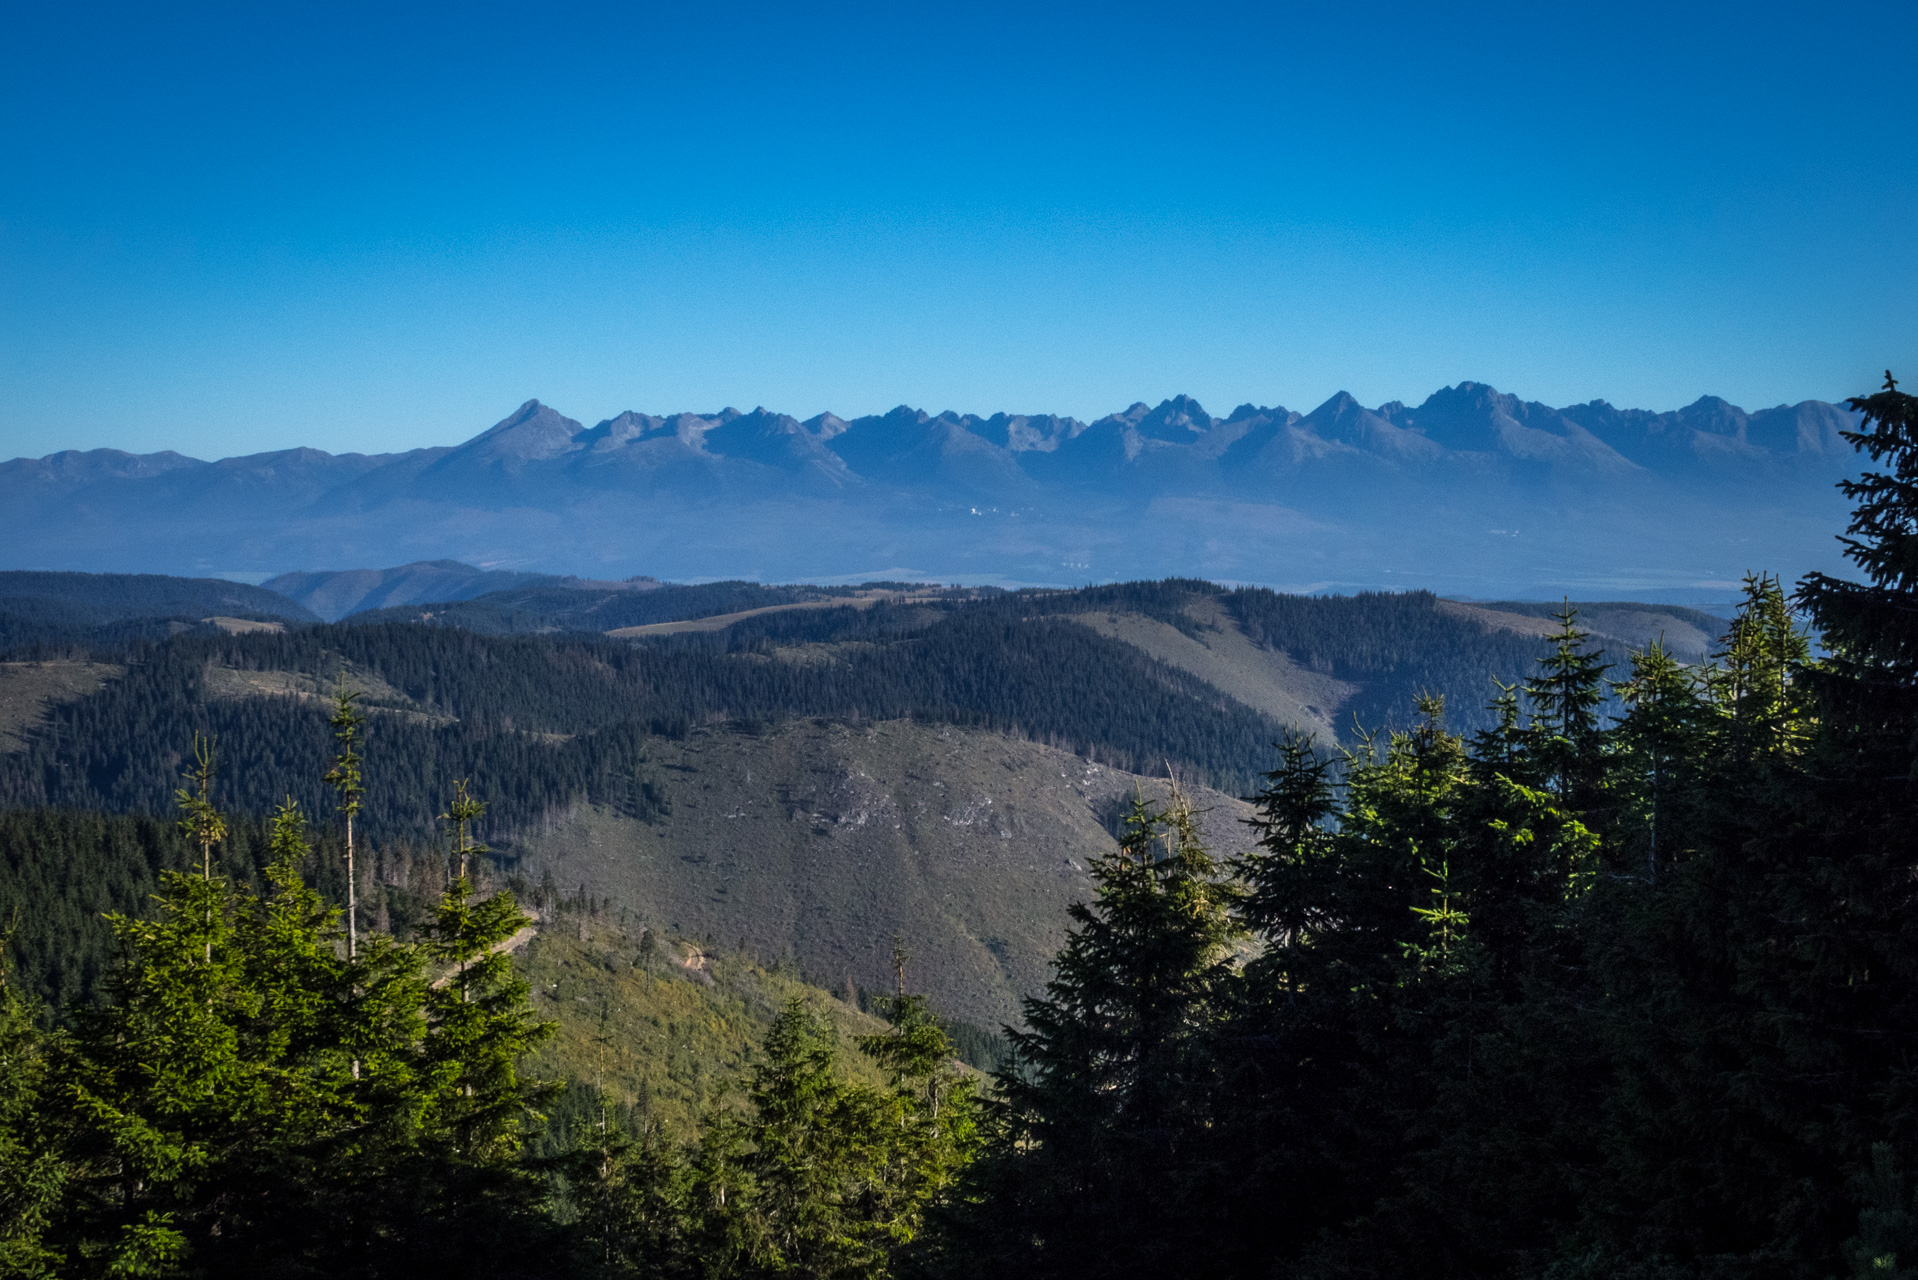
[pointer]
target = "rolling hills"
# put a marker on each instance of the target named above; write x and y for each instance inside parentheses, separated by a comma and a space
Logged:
(64, 609)
(801, 779)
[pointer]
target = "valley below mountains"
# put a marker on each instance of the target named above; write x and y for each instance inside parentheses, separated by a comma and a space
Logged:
(1474, 492)
(796, 775)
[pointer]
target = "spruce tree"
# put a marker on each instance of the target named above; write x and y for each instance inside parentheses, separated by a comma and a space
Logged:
(1103, 1156)
(162, 1096)
(1661, 745)
(344, 777)
(927, 1130)
(1755, 676)
(34, 1171)
(1869, 626)
(1564, 697)
(479, 1024)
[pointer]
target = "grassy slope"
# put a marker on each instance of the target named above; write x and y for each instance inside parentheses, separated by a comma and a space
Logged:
(669, 1029)
(1218, 652)
(817, 842)
(1622, 625)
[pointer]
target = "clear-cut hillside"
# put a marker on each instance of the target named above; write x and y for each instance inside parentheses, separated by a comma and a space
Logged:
(821, 843)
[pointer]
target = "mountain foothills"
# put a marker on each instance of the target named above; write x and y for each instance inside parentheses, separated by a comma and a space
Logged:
(798, 773)
(1472, 492)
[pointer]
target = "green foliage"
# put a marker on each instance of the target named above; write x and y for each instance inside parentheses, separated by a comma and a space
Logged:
(1887, 1223)
(33, 1173)
(1104, 1118)
(249, 1100)
(198, 818)
(817, 1177)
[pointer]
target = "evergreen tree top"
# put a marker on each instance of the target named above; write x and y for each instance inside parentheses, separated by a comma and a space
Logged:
(1871, 624)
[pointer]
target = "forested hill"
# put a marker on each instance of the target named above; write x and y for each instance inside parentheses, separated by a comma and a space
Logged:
(571, 606)
(1137, 675)
(540, 723)
(110, 609)
(1376, 651)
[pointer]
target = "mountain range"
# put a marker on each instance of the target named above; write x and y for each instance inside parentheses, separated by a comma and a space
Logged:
(1474, 491)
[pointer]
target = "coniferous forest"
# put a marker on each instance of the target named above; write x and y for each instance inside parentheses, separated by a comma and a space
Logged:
(1616, 979)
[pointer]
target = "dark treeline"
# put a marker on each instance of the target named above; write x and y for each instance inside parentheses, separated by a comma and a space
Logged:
(552, 606)
(1571, 996)
(109, 597)
(42, 630)
(42, 614)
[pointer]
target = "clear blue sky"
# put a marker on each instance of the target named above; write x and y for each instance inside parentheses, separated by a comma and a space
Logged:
(226, 229)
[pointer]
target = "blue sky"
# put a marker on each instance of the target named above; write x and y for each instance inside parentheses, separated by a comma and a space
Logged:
(369, 227)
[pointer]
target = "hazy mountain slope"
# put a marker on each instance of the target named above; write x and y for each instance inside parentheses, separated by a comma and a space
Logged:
(1621, 626)
(574, 605)
(332, 594)
(1474, 491)
(112, 597)
(823, 841)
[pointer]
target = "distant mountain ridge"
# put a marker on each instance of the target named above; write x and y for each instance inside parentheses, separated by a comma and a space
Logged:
(1267, 494)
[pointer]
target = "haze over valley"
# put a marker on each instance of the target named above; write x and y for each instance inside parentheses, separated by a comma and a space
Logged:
(1472, 493)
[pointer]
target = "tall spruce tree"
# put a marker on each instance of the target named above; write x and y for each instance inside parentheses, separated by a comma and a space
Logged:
(344, 777)
(1104, 1156)
(1564, 697)
(1660, 746)
(1869, 626)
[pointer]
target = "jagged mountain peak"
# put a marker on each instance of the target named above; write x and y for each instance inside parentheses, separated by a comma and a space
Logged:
(1342, 405)
(1716, 415)
(1035, 497)
(530, 433)
(1176, 420)
(1337, 412)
